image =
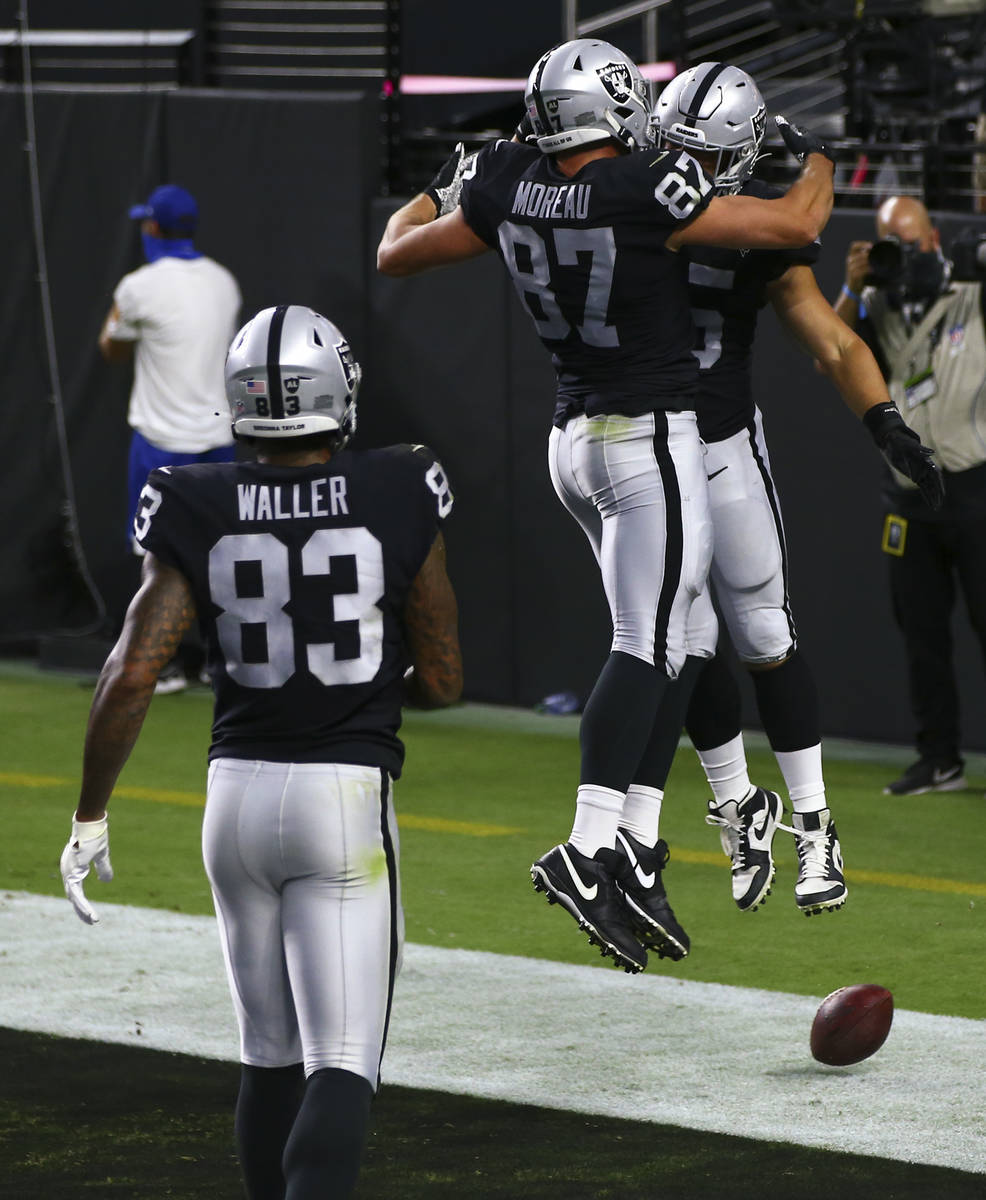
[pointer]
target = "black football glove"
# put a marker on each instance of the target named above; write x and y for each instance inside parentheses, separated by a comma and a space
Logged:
(444, 189)
(525, 130)
(904, 451)
(800, 141)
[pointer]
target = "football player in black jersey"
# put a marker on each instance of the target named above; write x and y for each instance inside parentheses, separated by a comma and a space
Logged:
(716, 112)
(587, 217)
(317, 575)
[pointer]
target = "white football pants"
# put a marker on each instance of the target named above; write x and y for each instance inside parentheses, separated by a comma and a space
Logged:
(749, 556)
(303, 863)
(637, 486)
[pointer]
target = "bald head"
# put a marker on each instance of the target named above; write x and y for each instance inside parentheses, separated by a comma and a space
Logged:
(908, 219)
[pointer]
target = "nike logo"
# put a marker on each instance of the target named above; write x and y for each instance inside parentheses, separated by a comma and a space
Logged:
(584, 892)
(643, 878)
(759, 832)
(719, 472)
(939, 776)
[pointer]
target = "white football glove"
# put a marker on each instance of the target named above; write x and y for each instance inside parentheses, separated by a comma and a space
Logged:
(445, 188)
(88, 846)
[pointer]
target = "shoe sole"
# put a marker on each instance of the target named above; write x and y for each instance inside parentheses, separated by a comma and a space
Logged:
(815, 907)
(950, 785)
(654, 935)
(543, 883)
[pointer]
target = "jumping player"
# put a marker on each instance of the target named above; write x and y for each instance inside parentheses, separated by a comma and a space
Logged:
(587, 217)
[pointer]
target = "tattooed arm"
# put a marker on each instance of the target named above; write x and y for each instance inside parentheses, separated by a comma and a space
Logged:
(159, 614)
(431, 628)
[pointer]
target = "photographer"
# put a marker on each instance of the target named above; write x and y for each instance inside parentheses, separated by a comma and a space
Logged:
(928, 332)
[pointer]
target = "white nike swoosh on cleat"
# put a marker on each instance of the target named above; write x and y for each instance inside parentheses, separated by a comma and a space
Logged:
(643, 878)
(584, 892)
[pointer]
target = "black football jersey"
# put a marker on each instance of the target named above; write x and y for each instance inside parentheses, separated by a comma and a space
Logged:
(300, 575)
(588, 259)
(728, 288)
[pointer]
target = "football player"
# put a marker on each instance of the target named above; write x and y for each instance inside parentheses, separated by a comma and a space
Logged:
(716, 112)
(317, 573)
(587, 217)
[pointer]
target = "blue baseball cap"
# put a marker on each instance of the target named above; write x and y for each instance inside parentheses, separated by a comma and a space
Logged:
(174, 209)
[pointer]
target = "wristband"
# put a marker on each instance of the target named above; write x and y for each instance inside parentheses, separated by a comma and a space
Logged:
(852, 295)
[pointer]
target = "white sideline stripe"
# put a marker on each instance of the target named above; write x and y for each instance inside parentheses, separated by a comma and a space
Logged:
(646, 1047)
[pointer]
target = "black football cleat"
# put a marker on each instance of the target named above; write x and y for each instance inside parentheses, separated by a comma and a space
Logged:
(586, 887)
(638, 876)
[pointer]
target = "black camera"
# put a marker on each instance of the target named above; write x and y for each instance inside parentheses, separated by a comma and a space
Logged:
(886, 264)
(968, 255)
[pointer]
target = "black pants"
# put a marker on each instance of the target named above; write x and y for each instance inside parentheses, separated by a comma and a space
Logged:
(939, 558)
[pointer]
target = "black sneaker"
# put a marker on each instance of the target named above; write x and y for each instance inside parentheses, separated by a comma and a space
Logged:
(639, 879)
(588, 890)
(746, 830)
(927, 776)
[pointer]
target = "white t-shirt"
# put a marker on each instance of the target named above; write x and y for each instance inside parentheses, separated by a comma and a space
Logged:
(182, 314)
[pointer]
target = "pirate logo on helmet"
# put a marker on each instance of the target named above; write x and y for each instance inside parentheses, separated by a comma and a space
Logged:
(759, 123)
(350, 366)
(615, 78)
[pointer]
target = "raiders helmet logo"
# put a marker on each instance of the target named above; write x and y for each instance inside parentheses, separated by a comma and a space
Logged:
(759, 122)
(350, 366)
(615, 78)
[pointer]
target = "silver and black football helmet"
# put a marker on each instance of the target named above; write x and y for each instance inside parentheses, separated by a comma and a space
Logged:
(587, 91)
(718, 108)
(290, 372)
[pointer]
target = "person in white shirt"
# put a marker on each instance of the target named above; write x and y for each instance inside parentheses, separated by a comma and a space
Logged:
(174, 317)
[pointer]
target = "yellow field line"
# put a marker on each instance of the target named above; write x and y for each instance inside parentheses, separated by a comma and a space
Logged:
(197, 800)
(915, 883)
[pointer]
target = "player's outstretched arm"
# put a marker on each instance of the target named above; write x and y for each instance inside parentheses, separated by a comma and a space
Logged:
(416, 240)
(159, 614)
(845, 358)
(431, 627)
(794, 219)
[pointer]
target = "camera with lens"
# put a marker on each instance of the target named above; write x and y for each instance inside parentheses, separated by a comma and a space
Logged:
(905, 271)
(968, 255)
(887, 262)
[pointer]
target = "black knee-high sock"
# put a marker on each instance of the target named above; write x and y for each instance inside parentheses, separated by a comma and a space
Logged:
(265, 1112)
(655, 763)
(787, 701)
(618, 720)
(715, 712)
(323, 1154)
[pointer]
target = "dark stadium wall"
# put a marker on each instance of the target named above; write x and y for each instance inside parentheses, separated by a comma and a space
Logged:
(287, 185)
(283, 183)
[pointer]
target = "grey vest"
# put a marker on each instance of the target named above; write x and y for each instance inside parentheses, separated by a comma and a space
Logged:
(938, 373)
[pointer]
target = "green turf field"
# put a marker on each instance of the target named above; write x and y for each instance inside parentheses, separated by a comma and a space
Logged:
(478, 802)
(485, 792)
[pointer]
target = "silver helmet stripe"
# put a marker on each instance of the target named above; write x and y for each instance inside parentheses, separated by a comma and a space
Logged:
(275, 394)
(701, 92)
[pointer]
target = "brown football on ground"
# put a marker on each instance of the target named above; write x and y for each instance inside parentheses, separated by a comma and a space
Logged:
(851, 1024)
